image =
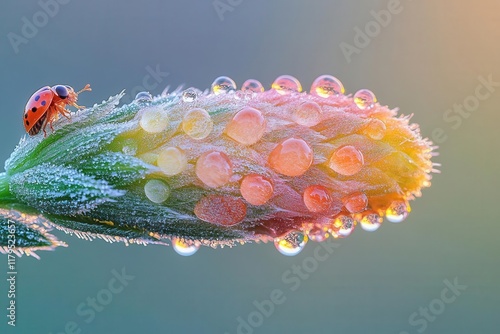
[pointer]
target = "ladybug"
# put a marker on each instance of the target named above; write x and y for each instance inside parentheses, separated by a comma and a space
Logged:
(45, 105)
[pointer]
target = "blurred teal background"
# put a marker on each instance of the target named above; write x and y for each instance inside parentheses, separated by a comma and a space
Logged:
(427, 59)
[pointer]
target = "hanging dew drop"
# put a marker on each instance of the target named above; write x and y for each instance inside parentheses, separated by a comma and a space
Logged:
(183, 247)
(292, 244)
(397, 212)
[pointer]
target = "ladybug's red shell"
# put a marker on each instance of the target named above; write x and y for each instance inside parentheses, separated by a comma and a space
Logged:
(36, 109)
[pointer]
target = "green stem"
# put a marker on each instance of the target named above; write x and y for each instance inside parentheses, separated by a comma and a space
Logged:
(4, 186)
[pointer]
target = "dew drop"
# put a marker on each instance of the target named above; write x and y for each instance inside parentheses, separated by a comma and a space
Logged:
(344, 226)
(172, 161)
(129, 147)
(286, 84)
(291, 157)
(317, 234)
(157, 191)
(189, 95)
(247, 126)
(256, 189)
(365, 99)
(143, 97)
(214, 169)
(326, 86)
(371, 222)
(221, 209)
(252, 85)
(375, 129)
(355, 202)
(292, 244)
(317, 198)
(397, 211)
(197, 123)
(154, 120)
(307, 114)
(223, 85)
(183, 247)
(347, 160)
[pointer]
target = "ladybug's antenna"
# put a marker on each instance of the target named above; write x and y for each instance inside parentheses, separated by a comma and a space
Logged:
(86, 88)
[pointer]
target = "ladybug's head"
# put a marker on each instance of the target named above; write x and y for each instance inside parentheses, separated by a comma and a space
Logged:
(62, 91)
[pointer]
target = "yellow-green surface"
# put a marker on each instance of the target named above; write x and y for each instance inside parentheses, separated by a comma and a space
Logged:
(427, 59)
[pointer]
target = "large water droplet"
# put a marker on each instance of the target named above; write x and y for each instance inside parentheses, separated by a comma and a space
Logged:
(317, 198)
(355, 202)
(347, 160)
(157, 191)
(326, 86)
(247, 126)
(183, 247)
(371, 222)
(256, 189)
(307, 114)
(143, 97)
(189, 95)
(286, 84)
(344, 226)
(221, 209)
(291, 157)
(154, 120)
(292, 244)
(223, 85)
(397, 211)
(172, 161)
(197, 123)
(252, 85)
(214, 169)
(365, 99)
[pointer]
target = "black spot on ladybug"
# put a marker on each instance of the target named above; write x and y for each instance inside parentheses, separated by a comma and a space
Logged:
(27, 123)
(44, 103)
(37, 97)
(33, 109)
(25, 115)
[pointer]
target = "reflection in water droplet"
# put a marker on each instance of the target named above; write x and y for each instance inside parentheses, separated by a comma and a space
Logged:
(189, 95)
(291, 157)
(252, 85)
(326, 86)
(154, 120)
(317, 234)
(256, 189)
(292, 244)
(157, 191)
(223, 85)
(172, 161)
(286, 84)
(397, 212)
(214, 169)
(347, 160)
(375, 129)
(184, 248)
(307, 114)
(197, 123)
(317, 198)
(247, 126)
(371, 222)
(143, 97)
(365, 99)
(355, 202)
(345, 226)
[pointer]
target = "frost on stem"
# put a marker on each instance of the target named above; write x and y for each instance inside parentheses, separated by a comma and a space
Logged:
(218, 168)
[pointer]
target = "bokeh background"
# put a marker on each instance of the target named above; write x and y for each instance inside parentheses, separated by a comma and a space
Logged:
(427, 59)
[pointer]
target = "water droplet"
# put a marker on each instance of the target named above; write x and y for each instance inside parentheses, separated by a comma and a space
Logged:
(129, 147)
(347, 160)
(157, 191)
(247, 126)
(223, 85)
(221, 209)
(189, 95)
(197, 123)
(184, 247)
(397, 211)
(291, 157)
(365, 99)
(143, 97)
(375, 129)
(344, 226)
(307, 114)
(252, 85)
(371, 222)
(154, 120)
(326, 86)
(292, 244)
(317, 234)
(317, 198)
(286, 84)
(172, 161)
(256, 189)
(214, 169)
(356, 202)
